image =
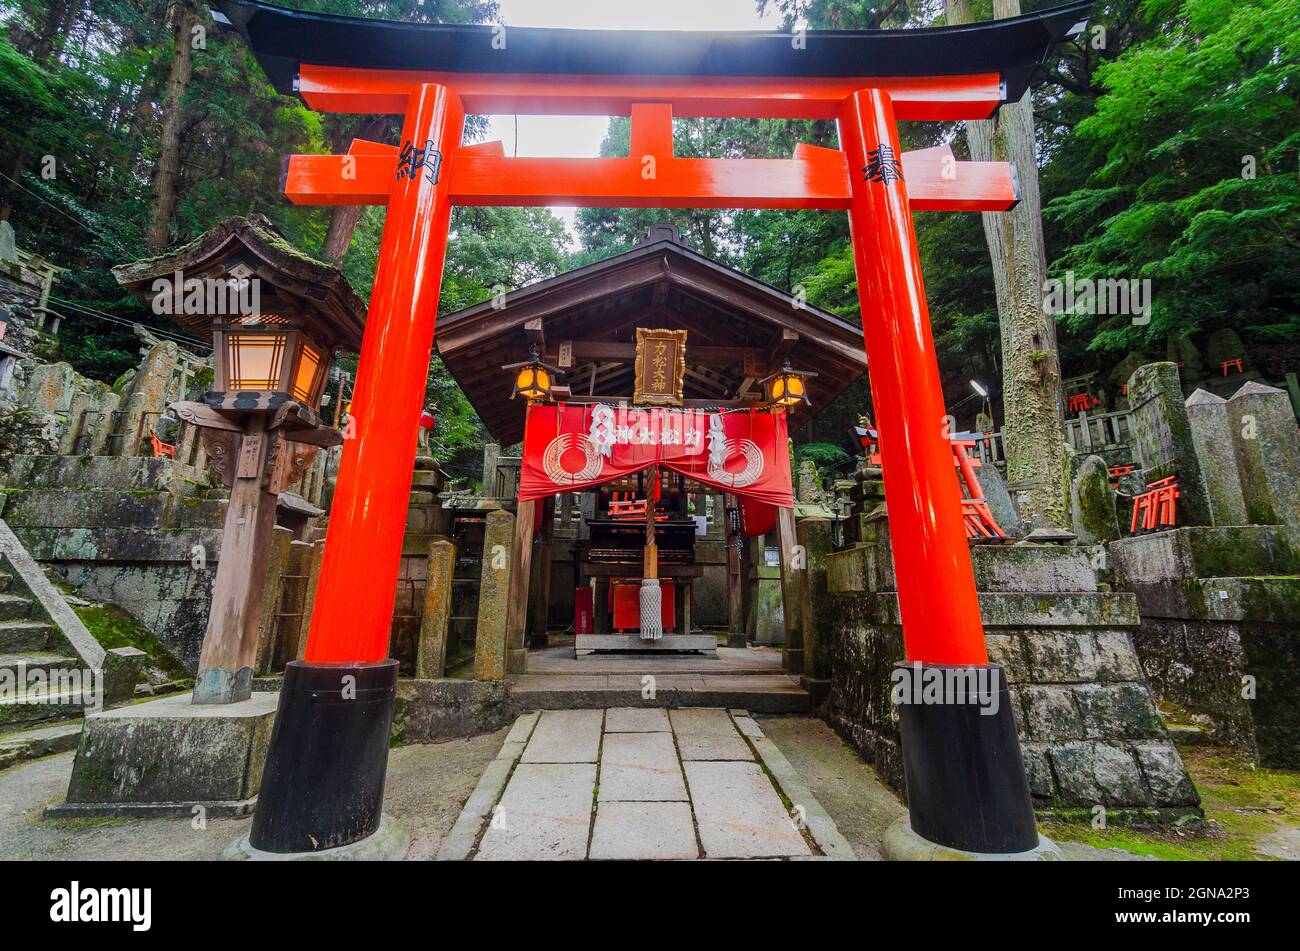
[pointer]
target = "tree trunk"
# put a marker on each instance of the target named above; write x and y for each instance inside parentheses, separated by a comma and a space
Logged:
(1033, 423)
(60, 17)
(344, 218)
(169, 150)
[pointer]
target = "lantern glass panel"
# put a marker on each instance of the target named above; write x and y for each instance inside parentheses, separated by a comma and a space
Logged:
(254, 360)
(311, 366)
(526, 382)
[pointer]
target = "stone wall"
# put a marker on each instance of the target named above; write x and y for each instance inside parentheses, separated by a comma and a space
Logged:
(144, 534)
(1089, 728)
(1220, 631)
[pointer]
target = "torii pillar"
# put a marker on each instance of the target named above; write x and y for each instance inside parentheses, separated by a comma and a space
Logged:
(329, 751)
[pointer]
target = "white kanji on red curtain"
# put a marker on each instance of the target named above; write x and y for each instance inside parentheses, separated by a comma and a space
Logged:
(574, 447)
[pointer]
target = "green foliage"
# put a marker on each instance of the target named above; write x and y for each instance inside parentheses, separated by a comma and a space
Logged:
(1196, 176)
(823, 455)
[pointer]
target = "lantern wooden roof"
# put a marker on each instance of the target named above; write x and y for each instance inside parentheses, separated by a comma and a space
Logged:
(738, 331)
(293, 286)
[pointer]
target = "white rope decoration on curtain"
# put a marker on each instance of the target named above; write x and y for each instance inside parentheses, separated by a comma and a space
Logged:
(601, 429)
(746, 476)
(561, 444)
(717, 442)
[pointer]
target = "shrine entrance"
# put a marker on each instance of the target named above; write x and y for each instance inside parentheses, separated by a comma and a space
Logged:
(708, 448)
(323, 782)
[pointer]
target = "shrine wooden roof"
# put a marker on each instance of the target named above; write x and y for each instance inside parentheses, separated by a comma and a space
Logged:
(292, 284)
(285, 39)
(738, 330)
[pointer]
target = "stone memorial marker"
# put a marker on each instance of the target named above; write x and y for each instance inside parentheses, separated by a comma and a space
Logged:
(1212, 437)
(1163, 438)
(1267, 448)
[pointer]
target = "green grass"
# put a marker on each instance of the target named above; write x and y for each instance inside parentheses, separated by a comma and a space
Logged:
(113, 627)
(1242, 803)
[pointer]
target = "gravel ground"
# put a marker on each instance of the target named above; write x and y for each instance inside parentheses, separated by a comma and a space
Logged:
(427, 785)
(856, 798)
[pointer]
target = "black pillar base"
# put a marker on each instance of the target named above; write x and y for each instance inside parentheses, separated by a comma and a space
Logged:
(323, 784)
(966, 786)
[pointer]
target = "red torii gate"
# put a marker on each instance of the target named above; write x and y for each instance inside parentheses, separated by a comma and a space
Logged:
(965, 779)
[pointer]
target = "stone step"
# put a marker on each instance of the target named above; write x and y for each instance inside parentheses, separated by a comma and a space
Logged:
(39, 707)
(98, 472)
(36, 660)
(14, 607)
(59, 508)
(201, 513)
(32, 744)
(771, 693)
(1188, 734)
(19, 636)
(1205, 552)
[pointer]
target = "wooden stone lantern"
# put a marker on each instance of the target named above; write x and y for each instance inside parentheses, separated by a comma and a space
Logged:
(275, 318)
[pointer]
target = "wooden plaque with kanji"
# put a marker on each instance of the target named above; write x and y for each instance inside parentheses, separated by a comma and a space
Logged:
(660, 366)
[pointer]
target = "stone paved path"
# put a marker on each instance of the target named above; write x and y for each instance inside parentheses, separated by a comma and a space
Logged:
(641, 783)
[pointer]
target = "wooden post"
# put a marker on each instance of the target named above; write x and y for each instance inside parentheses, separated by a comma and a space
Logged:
(230, 644)
(309, 597)
(540, 586)
(792, 570)
(735, 592)
(268, 627)
(521, 559)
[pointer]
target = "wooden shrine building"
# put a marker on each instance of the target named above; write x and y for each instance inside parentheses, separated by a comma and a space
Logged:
(727, 336)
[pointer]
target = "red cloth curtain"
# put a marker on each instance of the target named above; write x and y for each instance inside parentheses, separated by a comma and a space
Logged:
(744, 452)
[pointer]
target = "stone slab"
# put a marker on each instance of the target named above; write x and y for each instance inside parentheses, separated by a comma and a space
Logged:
(901, 844)
(459, 842)
(388, 843)
(594, 643)
(738, 813)
(174, 751)
(640, 767)
(544, 814)
(644, 831)
(708, 734)
(565, 736)
(636, 720)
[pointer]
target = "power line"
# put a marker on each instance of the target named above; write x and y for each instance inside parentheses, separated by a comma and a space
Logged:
(75, 221)
(101, 315)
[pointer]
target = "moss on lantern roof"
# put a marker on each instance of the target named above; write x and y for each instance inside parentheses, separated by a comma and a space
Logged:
(260, 236)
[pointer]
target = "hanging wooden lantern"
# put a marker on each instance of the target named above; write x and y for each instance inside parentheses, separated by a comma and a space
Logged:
(788, 387)
(533, 379)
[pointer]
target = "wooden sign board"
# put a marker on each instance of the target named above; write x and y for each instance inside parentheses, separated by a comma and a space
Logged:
(660, 367)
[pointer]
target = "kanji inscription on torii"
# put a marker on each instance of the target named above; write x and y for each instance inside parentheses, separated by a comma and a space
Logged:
(660, 366)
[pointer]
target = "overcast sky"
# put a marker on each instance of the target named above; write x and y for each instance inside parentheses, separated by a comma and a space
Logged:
(580, 136)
